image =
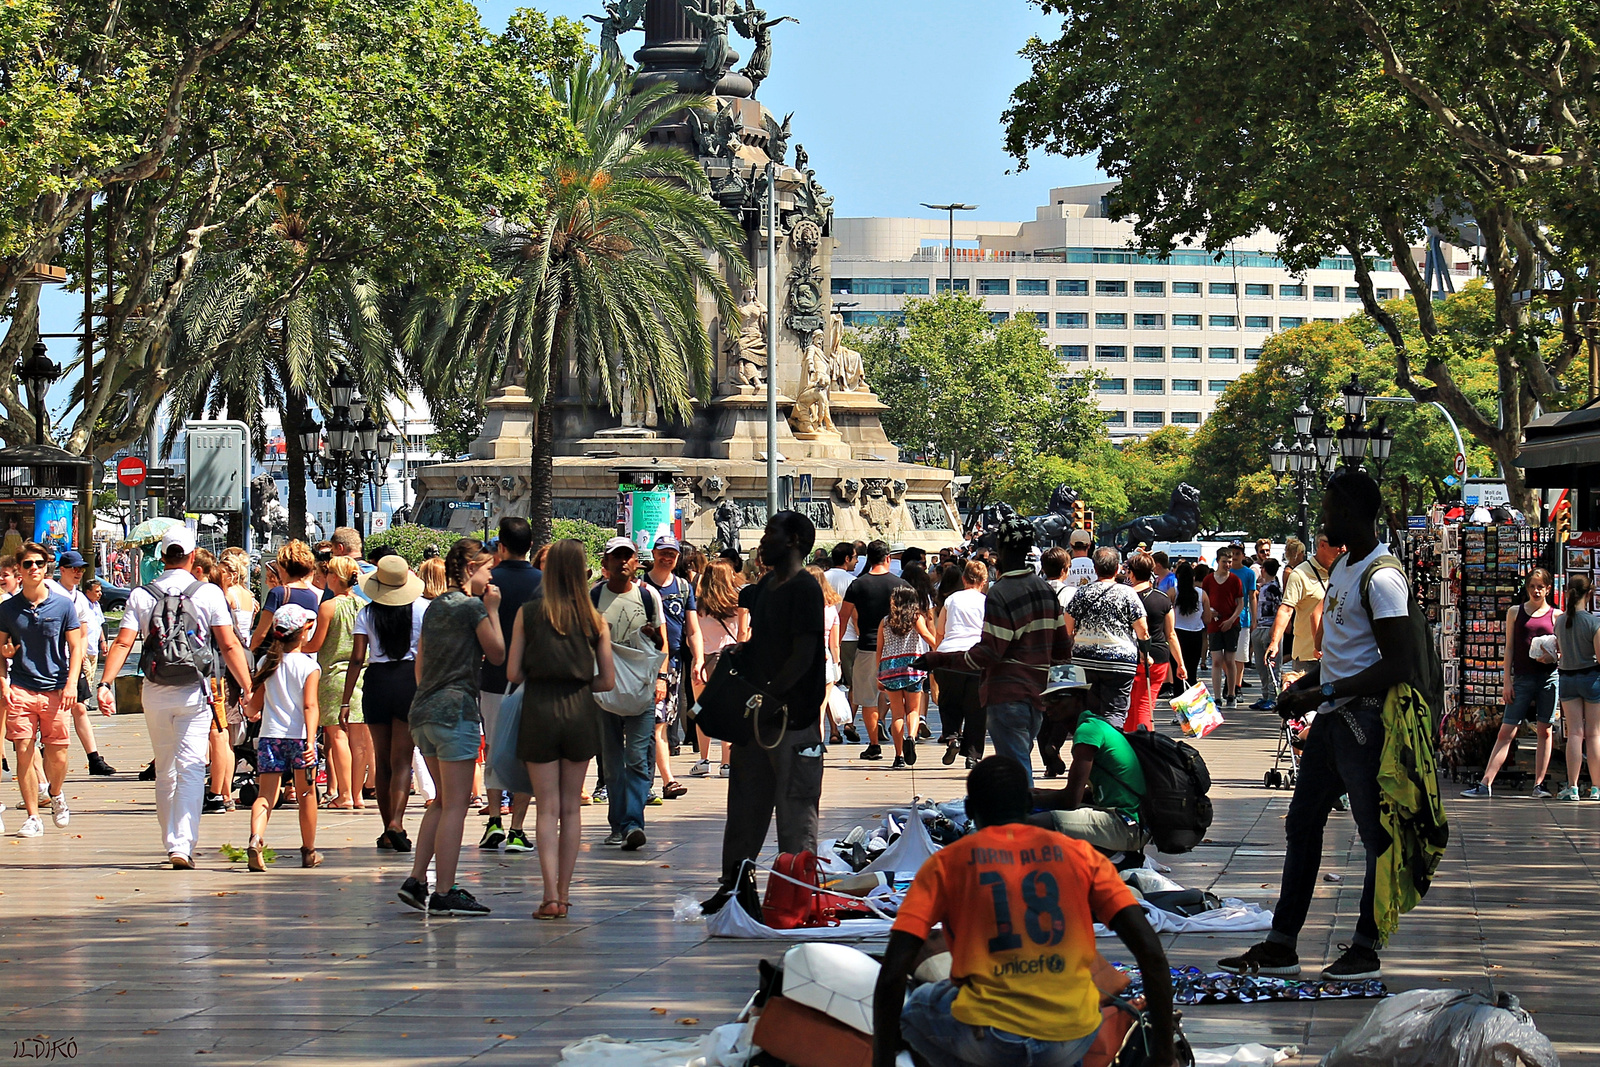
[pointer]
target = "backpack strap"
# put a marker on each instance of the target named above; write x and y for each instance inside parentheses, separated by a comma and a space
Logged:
(1385, 562)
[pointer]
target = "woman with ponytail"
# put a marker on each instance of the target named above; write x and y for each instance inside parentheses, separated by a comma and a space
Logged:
(1578, 638)
(283, 695)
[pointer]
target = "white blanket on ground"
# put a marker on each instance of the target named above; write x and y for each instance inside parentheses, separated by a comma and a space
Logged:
(1235, 916)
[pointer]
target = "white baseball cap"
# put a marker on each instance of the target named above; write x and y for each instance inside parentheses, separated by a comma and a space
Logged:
(292, 618)
(618, 543)
(180, 536)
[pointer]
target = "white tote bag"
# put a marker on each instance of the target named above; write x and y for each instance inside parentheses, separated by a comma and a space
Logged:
(635, 691)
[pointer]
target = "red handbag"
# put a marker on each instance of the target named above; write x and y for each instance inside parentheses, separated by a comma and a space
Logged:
(788, 905)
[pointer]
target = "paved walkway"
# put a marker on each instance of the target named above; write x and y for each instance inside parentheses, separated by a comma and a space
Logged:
(103, 947)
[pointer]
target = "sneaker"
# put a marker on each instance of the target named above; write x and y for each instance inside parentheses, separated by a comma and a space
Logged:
(634, 840)
(385, 843)
(149, 772)
(493, 835)
(517, 841)
(1593, 793)
(616, 837)
(1479, 791)
(923, 732)
(653, 800)
(1356, 965)
(911, 751)
(1540, 792)
(458, 902)
(701, 769)
(31, 827)
(871, 752)
(883, 733)
(951, 751)
(1271, 705)
(98, 765)
(1260, 705)
(1569, 793)
(600, 796)
(1267, 958)
(60, 814)
(414, 894)
(899, 764)
(400, 841)
(724, 770)
(215, 804)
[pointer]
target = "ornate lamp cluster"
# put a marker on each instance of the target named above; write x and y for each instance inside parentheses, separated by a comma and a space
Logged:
(1312, 458)
(351, 447)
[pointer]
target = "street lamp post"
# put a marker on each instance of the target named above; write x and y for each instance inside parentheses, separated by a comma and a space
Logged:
(37, 373)
(772, 339)
(1311, 459)
(355, 449)
(950, 250)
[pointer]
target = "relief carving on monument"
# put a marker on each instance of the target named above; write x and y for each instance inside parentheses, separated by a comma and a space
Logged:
(878, 499)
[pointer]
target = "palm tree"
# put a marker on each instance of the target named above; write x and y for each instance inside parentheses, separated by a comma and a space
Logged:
(604, 285)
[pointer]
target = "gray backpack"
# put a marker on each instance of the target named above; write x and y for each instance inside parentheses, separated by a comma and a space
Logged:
(179, 649)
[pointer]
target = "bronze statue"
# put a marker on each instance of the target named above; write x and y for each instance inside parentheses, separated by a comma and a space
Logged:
(716, 55)
(753, 23)
(621, 16)
(778, 138)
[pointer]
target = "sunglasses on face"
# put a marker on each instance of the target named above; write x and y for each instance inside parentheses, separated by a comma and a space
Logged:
(32, 563)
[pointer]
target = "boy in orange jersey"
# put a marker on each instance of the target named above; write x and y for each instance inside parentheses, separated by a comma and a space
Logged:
(1018, 904)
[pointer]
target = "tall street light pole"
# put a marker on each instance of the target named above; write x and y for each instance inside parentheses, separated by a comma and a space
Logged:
(772, 339)
(950, 250)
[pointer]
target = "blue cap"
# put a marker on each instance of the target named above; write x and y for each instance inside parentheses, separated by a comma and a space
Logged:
(72, 558)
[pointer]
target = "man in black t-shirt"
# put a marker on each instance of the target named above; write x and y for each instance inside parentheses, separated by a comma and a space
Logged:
(867, 602)
(785, 656)
(518, 580)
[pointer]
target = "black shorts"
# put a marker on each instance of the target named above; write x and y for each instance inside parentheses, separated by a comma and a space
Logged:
(1226, 640)
(387, 691)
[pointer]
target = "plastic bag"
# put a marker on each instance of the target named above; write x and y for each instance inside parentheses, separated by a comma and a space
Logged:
(507, 770)
(1443, 1028)
(1197, 712)
(840, 713)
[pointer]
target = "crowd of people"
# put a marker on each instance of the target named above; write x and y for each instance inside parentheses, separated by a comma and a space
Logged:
(360, 681)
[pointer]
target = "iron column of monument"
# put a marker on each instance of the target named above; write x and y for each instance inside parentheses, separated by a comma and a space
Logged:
(722, 461)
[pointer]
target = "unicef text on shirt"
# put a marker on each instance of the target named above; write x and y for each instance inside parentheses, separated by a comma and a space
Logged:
(1052, 963)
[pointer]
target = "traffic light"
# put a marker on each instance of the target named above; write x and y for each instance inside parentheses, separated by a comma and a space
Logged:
(1088, 519)
(1078, 512)
(1563, 521)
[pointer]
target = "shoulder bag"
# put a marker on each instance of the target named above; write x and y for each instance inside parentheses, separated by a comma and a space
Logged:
(636, 669)
(735, 708)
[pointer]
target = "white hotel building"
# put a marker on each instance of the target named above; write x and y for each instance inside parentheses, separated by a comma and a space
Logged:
(1169, 335)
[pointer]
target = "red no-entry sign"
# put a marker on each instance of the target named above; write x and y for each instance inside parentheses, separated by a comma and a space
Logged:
(130, 471)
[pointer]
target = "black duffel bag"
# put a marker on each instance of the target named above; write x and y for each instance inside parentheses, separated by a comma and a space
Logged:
(734, 708)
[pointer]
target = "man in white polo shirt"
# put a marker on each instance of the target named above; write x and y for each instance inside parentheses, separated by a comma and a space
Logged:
(177, 703)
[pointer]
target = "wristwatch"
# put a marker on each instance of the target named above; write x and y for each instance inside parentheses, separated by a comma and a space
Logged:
(1327, 690)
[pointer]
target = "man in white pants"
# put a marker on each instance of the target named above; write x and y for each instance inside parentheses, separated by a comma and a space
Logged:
(178, 715)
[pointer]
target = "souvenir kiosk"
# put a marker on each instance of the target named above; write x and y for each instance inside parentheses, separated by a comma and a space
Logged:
(41, 489)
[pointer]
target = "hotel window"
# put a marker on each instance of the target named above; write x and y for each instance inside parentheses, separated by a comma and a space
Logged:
(1223, 289)
(1149, 322)
(1149, 288)
(1387, 294)
(1319, 318)
(1111, 385)
(1291, 292)
(1116, 418)
(1111, 320)
(1289, 322)
(1223, 322)
(1258, 322)
(1149, 385)
(1259, 290)
(997, 317)
(1185, 288)
(1186, 418)
(1149, 418)
(1072, 353)
(1041, 319)
(1072, 320)
(1225, 355)
(994, 286)
(1072, 286)
(963, 285)
(1352, 294)
(1186, 322)
(873, 318)
(1218, 385)
(1110, 354)
(1251, 355)
(1325, 292)
(1105, 288)
(880, 287)
(1185, 354)
(1186, 385)
(1148, 354)
(1033, 287)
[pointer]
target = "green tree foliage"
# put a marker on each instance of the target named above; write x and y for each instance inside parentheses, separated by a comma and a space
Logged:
(958, 385)
(1027, 480)
(603, 288)
(1354, 128)
(457, 420)
(384, 127)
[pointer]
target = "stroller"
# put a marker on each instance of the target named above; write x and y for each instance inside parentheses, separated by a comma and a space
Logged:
(1289, 744)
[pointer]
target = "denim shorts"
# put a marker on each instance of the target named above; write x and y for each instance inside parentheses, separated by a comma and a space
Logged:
(280, 755)
(1585, 687)
(929, 1026)
(1533, 699)
(452, 744)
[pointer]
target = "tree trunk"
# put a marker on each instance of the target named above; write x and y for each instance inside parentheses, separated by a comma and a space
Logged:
(541, 478)
(294, 464)
(237, 412)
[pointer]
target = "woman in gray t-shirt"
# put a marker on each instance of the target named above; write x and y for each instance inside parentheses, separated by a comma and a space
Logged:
(458, 631)
(1579, 663)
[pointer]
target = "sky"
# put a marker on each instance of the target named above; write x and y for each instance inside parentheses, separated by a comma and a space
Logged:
(896, 101)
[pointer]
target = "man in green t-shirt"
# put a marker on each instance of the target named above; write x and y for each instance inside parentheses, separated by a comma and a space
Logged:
(1104, 789)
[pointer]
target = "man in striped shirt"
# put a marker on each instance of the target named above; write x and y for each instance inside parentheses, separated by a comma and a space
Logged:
(1023, 635)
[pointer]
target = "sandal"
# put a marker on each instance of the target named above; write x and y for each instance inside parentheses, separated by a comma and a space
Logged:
(253, 855)
(310, 857)
(549, 910)
(673, 790)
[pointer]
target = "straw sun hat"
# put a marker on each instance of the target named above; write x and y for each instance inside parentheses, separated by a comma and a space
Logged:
(393, 584)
